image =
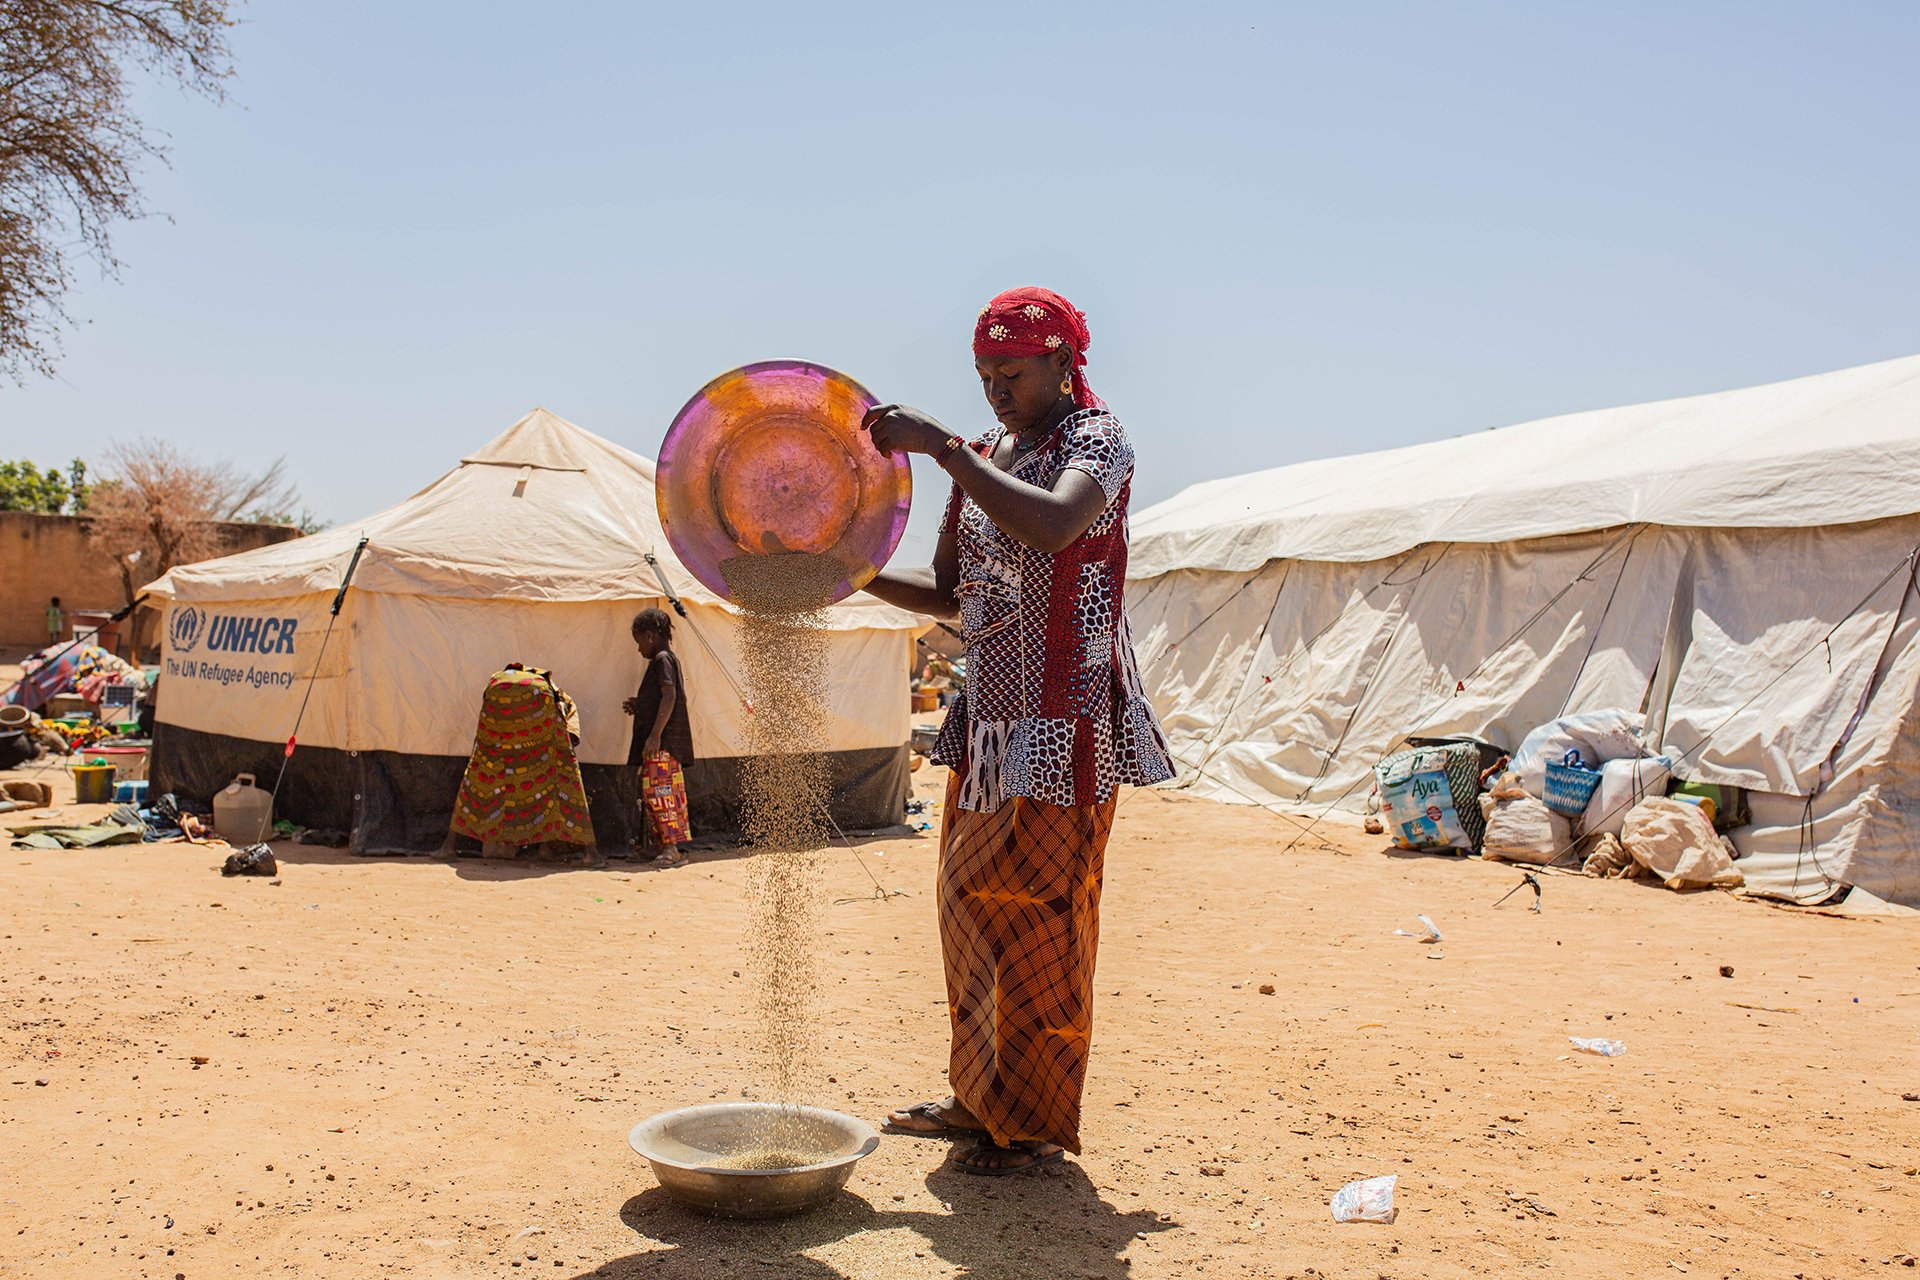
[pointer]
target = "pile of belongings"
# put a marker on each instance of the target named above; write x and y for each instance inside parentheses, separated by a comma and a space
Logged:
(24, 736)
(165, 819)
(113, 829)
(86, 669)
(1587, 784)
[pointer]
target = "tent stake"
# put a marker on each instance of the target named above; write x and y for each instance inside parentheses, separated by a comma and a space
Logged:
(1526, 878)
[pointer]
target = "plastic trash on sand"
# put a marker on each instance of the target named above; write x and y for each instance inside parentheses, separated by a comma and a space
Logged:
(254, 860)
(1593, 1044)
(1431, 934)
(1368, 1200)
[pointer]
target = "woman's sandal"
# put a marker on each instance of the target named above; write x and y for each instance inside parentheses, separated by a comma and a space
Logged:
(933, 1112)
(1035, 1160)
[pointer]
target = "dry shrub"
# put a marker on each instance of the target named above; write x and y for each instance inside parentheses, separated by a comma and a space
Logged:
(157, 507)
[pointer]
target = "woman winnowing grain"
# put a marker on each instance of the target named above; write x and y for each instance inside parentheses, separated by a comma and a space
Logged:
(1032, 557)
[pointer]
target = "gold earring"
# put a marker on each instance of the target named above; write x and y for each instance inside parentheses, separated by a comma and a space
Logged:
(1066, 387)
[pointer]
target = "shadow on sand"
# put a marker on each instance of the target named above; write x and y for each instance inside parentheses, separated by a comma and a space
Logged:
(531, 866)
(1051, 1224)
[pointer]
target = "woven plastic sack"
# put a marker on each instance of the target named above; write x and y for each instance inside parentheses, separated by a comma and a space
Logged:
(1522, 829)
(1428, 797)
(1675, 841)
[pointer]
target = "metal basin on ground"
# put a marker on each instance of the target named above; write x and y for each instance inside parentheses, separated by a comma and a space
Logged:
(690, 1148)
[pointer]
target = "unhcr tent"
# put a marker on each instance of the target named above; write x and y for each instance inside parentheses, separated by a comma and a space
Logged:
(538, 548)
(1738, 566)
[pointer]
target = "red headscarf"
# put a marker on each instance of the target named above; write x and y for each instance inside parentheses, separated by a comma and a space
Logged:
(1034, 322)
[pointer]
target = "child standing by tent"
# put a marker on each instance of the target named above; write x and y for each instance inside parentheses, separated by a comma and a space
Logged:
(662, 735)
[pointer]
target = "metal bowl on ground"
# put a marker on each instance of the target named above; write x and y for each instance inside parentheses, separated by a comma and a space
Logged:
(690, 1150)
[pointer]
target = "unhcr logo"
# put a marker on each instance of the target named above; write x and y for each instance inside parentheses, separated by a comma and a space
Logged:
(229, 634)
(184, 628)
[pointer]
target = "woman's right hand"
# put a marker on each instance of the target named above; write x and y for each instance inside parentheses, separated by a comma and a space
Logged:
(899, 428)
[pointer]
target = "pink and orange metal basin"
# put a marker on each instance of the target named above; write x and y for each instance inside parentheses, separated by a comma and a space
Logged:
(770, 460)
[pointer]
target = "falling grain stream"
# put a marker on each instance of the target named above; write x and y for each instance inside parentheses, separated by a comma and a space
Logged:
(784, 784)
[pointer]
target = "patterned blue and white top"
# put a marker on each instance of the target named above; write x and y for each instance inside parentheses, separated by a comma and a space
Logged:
(1053, 707)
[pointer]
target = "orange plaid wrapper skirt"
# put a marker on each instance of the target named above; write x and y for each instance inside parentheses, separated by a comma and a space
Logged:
(522, 783)
(1019, 925)
(664, 788)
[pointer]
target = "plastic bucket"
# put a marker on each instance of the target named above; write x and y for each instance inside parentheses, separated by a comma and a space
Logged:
(130, 761)
(92, 783)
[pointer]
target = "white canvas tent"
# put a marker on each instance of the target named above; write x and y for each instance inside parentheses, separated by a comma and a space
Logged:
(1740, 566)
(535, 549)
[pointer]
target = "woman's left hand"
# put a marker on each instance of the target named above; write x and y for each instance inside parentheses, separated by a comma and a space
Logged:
(899, 428)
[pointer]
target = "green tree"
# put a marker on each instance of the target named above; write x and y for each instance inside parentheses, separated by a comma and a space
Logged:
(52, 492)
(305, 521)
(71, 146)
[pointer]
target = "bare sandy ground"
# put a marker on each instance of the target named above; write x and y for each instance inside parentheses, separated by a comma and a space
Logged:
(426, 1068)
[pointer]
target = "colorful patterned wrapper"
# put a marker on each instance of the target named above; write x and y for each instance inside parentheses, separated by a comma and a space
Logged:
(664, 790)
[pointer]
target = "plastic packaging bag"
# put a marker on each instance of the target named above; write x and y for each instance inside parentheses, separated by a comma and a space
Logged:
(254, 860)
(1593, 1044)
(1430, 932)
(1368, 1200)
(1418, 798)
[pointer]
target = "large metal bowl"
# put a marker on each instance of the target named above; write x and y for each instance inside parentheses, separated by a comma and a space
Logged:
(687, 1149)
(770, 459)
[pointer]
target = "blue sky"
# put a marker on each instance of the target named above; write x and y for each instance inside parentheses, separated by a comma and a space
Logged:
(1298, 231)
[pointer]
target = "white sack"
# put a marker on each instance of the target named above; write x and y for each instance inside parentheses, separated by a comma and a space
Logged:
(1674, 840)
(1523, 829)
(1599, 736)
(1624, 784)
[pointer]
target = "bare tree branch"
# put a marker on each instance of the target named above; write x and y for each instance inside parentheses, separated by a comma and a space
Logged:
(70, 145)
(156, 507)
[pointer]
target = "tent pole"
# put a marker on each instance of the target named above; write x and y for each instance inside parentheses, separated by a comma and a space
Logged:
(681, 609)
(665, 590)
(333, 615)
